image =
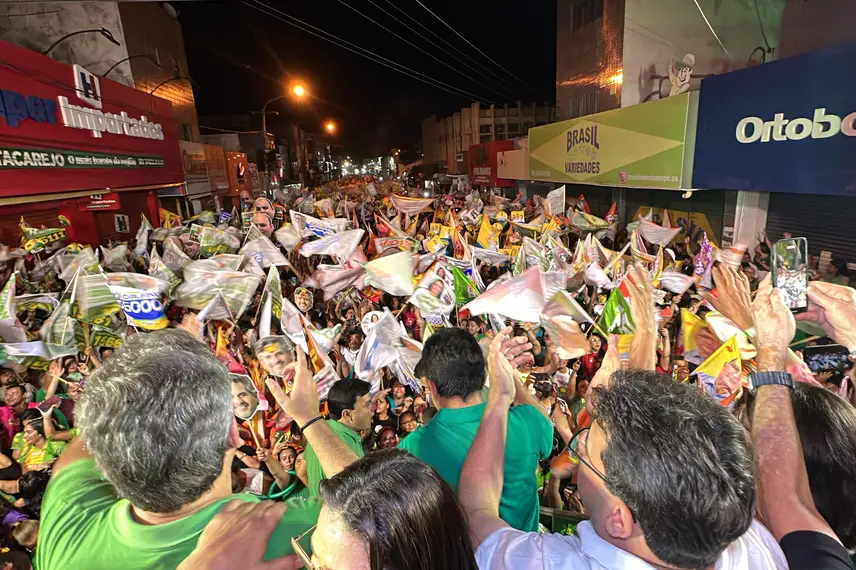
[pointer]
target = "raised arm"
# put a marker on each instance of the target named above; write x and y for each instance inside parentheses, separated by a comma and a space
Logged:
(301, 403)
(480, 487)
(784, 495)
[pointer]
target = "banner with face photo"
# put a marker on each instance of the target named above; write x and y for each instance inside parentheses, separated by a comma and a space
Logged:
(434, 294)
(721, 374)
(274, 353)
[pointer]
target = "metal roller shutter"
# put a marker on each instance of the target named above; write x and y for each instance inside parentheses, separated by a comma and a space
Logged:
(711, 203)
(825, 221)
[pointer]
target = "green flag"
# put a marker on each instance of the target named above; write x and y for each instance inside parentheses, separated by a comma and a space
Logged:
(615, 318)
(465, 289)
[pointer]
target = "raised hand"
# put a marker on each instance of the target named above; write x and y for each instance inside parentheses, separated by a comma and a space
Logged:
(301, 402)
(833, 307)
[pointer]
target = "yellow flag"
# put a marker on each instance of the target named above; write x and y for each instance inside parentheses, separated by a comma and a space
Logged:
(691, 324)
(721, 374)
(488, 237)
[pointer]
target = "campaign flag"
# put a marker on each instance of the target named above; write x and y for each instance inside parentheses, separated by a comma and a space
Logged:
(307, 226)
(139, 297)
(676, 282)
(63, 330)
(287, 236)
(488, 236)
(691, 324)
(105, 337)
(168, 219)
(720, 376)
(703, 262)
(411, 206)
(340, 245)
(264, 252)
(173, 254)
(638, 250)
(159, 269)
(615, 318)
(236, 287)
(656, 234)
(554, 202)
(34, 240)
(271, 302)
(392, 273)
(725, 329)
(46, 302)
(667, 222)
(584, 222)
(521, 298)
(215, 310)
(333, 279)
(583, 204)
(116, 258)
(142, 237)
(11, 329)
(465, 289)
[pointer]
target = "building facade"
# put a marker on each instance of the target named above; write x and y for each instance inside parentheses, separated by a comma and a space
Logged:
(446, 142)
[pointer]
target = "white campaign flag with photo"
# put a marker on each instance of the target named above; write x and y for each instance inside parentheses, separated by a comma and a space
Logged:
(341, 245)
(556, 201)
(521, 298)
(393, 274)
(411, 206)
(656, 234)
(265, 252)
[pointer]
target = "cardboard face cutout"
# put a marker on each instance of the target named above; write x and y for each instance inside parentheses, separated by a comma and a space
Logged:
(274, 354)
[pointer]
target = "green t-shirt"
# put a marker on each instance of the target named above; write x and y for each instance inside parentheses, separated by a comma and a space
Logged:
(314, 473)
(85, 525)
(443, 444)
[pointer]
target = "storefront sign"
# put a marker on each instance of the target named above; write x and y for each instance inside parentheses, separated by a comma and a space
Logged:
(785, 126)
(639, 146)
(47, 158)
(64, 129)
(109, 201)
(483, 163)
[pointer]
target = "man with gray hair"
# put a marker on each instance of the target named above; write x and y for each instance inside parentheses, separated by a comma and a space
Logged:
(152, 465)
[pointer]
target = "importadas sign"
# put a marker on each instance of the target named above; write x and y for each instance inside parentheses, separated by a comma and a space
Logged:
(640, 146)
(786, 126)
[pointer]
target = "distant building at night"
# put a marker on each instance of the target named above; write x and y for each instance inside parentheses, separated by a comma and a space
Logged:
(446, 142)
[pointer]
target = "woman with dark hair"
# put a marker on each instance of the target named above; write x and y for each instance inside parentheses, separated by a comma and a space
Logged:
(366, 515)
(827, 428)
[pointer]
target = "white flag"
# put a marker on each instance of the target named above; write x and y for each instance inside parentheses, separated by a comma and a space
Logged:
(393, 274)
(521, 298)
(342, 245)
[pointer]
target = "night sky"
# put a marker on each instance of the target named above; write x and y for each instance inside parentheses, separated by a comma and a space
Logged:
(241, 58)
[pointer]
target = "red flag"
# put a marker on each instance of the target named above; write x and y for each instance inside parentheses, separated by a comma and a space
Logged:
(610, 215)
(583, 204)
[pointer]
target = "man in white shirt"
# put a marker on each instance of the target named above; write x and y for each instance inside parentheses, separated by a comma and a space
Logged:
(665, 473)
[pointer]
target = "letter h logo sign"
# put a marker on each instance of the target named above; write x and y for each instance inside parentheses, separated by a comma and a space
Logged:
(87, 86)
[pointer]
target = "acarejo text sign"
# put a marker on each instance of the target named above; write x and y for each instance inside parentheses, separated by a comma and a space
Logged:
(785, 126)
(638, 146)
(64, 128)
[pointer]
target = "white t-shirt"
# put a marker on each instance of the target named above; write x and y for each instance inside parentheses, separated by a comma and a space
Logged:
(512, 549)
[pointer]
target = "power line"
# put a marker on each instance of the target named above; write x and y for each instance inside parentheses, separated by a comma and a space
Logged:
(227, 130)
(433, 33)
(404, 70)
(429, 54)
(501, 89)
(712, 31)
(477, 49)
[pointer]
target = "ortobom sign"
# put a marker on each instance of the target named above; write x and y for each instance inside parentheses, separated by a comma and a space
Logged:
(785, 126)
(642, 146)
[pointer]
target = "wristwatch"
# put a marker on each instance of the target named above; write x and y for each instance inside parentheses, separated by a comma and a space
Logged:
(757, 379)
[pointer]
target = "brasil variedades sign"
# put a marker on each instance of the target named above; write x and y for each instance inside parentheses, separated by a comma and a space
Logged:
(785, 126)
(55, 158)
(638, 146)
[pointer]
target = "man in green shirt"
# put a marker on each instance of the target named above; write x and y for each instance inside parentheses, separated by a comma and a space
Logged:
(351, 410)
(453, 368)
(156, 467)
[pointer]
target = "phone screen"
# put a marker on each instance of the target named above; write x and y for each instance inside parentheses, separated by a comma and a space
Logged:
(790, 272)
(828, 358)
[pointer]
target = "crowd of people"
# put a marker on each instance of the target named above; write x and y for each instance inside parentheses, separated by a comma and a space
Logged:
(352, 378)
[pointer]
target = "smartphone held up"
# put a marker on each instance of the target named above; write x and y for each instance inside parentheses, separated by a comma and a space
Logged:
(790, 272)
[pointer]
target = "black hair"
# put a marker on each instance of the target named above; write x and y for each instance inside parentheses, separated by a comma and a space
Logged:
(453, 360)
(367, 496)
(827, 428)
(343, 395)
(681, 463)
(31, 488)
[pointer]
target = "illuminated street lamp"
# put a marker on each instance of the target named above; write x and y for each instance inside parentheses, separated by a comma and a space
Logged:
(298, 90)
(330, 127)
